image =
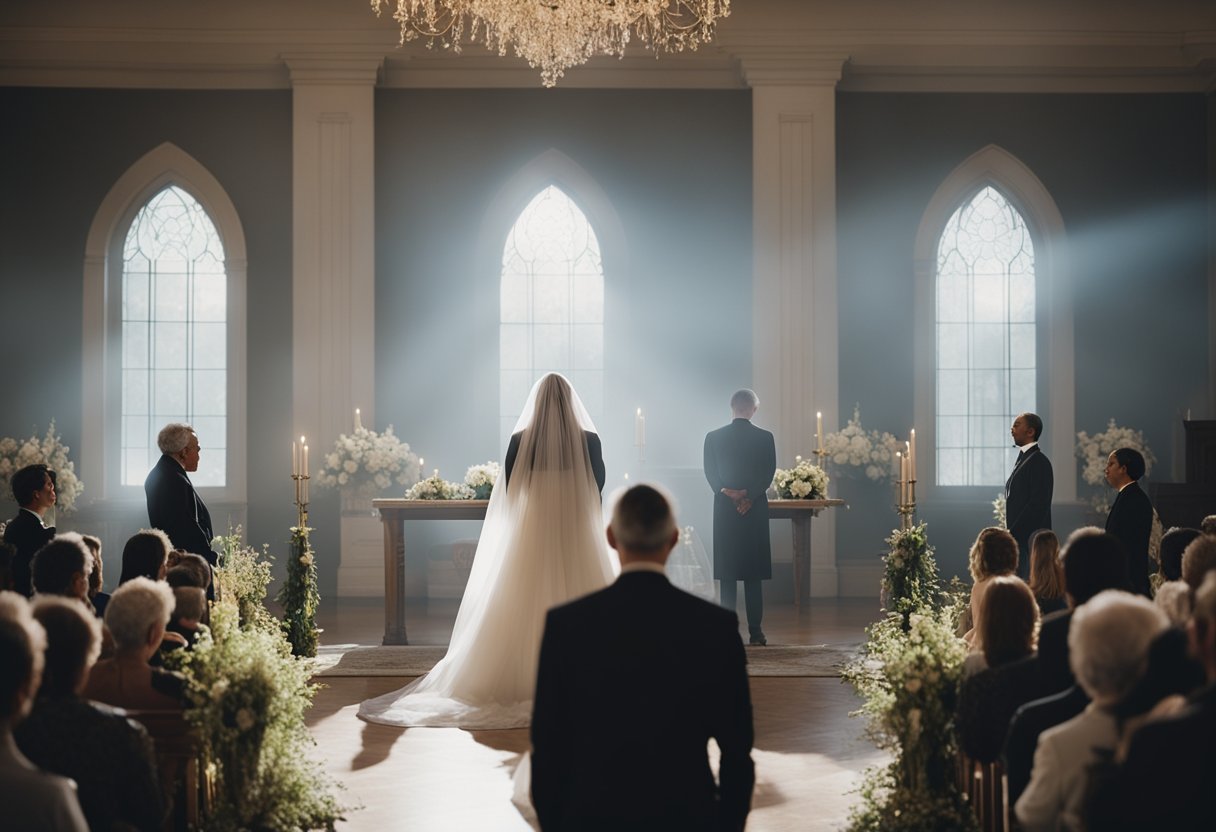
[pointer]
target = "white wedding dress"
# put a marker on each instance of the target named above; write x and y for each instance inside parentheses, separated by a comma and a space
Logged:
(542, 544)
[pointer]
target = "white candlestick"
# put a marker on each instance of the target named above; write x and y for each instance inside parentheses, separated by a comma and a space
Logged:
(305, 474)
(899, 482)
(358, 421)
(819, 430)
(912, 454)
(639, 429)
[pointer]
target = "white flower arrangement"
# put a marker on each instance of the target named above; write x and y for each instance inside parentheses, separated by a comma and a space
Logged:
(369, 461)
(482, 478)
(998, 511)
(1094, 450)
(437, 488)
(49, 450)
(802, 482)
(856, 452)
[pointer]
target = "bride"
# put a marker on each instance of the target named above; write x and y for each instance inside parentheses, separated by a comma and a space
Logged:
(542, 544)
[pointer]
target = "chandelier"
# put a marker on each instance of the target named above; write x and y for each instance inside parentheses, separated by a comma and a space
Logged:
(557, 34)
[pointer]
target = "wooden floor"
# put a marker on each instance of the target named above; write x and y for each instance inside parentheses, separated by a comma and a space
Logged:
(809, 754)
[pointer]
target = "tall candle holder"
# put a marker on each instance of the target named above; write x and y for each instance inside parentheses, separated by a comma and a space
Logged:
(301, 482)
(905, 506)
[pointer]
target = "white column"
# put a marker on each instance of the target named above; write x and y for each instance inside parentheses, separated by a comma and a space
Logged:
(333, 260)
(794, 317)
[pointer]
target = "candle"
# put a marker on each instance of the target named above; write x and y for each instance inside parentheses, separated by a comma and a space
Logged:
(912, 454)
(899, 482)
(304, 478)
(421, 463)
(436, 473)
(819, 430)
(639, 429)
(358, 421)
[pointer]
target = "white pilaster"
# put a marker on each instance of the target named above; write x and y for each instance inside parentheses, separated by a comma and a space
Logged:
(794, 317)
(333, 247)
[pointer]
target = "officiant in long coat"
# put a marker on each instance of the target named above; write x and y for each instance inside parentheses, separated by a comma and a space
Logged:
(740, 460)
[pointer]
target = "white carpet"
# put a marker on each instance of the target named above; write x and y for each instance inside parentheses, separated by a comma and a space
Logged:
(813, 660)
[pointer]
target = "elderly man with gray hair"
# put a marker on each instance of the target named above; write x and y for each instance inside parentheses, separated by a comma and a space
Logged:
(633, 682)
(174, 506)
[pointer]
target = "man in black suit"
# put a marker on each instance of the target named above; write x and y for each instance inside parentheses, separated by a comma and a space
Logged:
(34, 491)
(1028, 489)
(632, 683)
(174, 506)
(1131, 516)
(740, 460)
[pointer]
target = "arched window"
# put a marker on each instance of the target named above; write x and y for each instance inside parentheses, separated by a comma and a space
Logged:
(985, 318)
(174, 333)
(551, 305)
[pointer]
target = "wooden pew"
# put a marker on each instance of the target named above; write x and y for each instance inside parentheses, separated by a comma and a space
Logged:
(183, 775)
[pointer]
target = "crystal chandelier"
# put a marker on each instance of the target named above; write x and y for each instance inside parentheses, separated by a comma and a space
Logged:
(557, 34)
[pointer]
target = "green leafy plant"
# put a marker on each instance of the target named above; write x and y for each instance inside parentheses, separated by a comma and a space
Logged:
(299, 596)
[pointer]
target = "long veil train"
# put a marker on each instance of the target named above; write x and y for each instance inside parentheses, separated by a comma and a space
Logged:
(542, 544)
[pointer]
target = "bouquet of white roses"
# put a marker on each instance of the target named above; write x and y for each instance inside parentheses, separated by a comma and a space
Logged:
(481, 478)
(436, 488)
(857, 452)
(49, 450)
(370, 461)
(1094, 450)
(802, 482)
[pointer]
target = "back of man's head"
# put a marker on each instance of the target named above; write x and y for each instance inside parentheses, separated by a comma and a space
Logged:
(744, 402)
(1093, 561)
(643, 523)
(1208, 524)
(57, 564)
(22, 642)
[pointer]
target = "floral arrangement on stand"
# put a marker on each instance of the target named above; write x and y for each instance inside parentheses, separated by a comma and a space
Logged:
(802, 482)
(299, 595)
(855, 452)
(909, 677)
(242, 579)
(369, 462)
(482, 479)
(436, 488)
(1094, 450)
(48, 450)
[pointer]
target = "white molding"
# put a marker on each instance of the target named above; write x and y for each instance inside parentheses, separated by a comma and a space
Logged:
(164, 165)
(993, 165)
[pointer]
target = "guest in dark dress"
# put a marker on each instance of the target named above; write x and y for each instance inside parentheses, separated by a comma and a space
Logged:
(1009, 629)
(34, 491)
(1047, 572)
(109, 756)
(98, 598)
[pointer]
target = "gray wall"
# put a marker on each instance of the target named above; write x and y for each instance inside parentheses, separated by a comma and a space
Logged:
(1128, 173)
(61, 151)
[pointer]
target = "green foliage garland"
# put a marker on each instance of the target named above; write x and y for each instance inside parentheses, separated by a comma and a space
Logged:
(910, 582)
(299, 596)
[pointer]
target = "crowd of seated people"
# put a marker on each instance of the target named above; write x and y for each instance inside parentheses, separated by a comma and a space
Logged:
(1106, 701)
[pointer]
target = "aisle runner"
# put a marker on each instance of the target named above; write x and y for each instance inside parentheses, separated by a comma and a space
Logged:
(816, 660)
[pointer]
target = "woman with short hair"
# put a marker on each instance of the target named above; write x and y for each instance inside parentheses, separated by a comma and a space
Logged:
(136, 617)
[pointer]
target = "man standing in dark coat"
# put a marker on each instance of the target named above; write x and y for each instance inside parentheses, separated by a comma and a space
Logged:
(174, 506)
(34, 491)
(740, 460)
(1028, 489)
(1131, 516)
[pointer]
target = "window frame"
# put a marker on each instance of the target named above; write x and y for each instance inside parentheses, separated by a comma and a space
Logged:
(103, 273)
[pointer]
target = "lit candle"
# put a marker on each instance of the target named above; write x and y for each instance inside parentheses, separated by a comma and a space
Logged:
(639, 429)
(907, 484)
(436, 473)
(358, 421)
(912, 454)
(899, 482)
(819, 429)
(304, 479)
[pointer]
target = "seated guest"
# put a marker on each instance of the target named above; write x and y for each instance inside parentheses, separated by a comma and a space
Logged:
(1208, 525)
(146, 555)
(191, 570)
(97, 598)
(1174, 599)
(189, 610)
(7, 554)
(1046, 572)
(31, 798)
(109, 756)
(62, 567)
(1173, 543)
(1009, 629)
(34, 490)
(1172, 759)
(1108, 646)
(994, 553)
(136, 617)
(1198, 559)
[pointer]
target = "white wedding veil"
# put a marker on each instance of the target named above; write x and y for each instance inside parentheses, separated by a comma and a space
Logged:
(542, 544)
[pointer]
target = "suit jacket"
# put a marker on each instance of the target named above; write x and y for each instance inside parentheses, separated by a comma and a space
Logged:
(1055, 797)
(27, 535)
(1028, 723)
(1131, 521)
(1028, 501)
(633, 680)
(741, 456)
(987, 703)
(1055, 671)
(594, 452)
(175, 508)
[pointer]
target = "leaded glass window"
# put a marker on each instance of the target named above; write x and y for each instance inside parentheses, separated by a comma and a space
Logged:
(174, 334)
(985, 329)
(551, 305)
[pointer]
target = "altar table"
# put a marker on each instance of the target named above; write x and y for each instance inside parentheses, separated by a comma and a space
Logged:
(800, 513)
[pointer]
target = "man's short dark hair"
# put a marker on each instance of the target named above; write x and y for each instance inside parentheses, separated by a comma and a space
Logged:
(1132, 460)
(57, 563)
(1035, 423)
(1173, 543)
(1094, 561)
(190, 570)
(642, 520)
(29, 479)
